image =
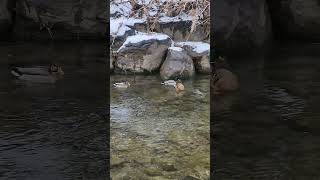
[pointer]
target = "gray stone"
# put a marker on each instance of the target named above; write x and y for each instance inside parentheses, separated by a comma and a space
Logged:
(143, 56)
(178, 64)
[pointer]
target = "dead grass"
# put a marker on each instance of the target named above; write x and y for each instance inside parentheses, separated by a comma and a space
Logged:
(198, 9)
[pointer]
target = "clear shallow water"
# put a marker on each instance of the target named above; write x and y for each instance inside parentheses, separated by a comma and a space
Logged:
(270, 129)
(53, 131)
(157, 133)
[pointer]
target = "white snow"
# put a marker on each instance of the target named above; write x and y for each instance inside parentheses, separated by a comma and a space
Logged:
(182, 17)
(123, 8)
(119, 26)
(143, 37)
(176, 48)
(199, 47)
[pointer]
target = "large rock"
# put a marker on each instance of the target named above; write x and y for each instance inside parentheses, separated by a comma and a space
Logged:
(120, 29)
(142, 53)
(296, 19)
(178, 64)
(200, 54)
(240, 25)
(61, 19)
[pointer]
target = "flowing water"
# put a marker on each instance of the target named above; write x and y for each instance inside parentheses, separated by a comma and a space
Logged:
(270, 129)
(54, 131)
(157, 133)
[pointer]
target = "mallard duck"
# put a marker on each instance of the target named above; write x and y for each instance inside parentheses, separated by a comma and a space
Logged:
(223, 79)
(38, 74)
(122, 85)
(176, 84)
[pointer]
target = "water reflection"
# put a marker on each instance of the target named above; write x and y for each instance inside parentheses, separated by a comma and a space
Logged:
(157, 133)
(269, 130)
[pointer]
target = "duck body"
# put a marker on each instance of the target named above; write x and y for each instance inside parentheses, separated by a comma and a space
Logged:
(176, 84)
(224, 81)
(38, 74)
(169, 83)
(37, 78)
(122, 85)
(33, 70)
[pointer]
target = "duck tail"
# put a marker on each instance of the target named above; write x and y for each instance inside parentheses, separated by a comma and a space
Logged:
(16, 72)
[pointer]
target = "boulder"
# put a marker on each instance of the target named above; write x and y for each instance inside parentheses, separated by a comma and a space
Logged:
(56, 19)
(296, 19)
(199, 52)
(178, 64)
(240, 25)
(120, 29)
(142, 53)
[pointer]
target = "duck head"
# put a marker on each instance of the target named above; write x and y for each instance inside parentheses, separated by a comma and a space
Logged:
(56, 69)
(179, 86)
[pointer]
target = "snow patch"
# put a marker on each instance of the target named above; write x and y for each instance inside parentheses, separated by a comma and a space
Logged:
(182, 17)
(176, 49)
(139, 37)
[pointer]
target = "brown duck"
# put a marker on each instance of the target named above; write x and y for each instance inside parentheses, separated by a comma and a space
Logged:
(223, 79)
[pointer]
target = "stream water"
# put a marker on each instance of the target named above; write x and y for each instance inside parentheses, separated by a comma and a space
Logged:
(270, 129)
(157, 133)
(54, 131)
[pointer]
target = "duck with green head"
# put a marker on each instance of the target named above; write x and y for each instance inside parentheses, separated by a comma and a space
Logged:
(38, 74)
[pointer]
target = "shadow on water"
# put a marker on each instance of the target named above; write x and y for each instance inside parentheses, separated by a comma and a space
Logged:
(157, 133)
(270, 129)
(54, 131)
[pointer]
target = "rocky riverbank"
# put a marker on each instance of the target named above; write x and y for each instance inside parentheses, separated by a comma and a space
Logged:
(174, 47)
(49, 19)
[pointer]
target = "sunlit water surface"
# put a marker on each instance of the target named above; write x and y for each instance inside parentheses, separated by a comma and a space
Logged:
(157, 133)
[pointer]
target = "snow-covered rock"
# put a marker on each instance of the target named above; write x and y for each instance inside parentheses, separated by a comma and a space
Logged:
(178, 64)
(121, 28)
(195, 49)
(142, 53)
(199, 51)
